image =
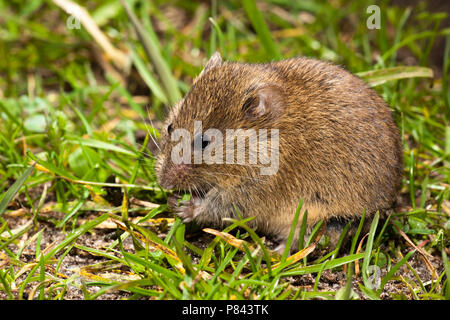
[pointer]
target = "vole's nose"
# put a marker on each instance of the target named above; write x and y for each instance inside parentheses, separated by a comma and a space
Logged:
(173, 176)
(166, 184)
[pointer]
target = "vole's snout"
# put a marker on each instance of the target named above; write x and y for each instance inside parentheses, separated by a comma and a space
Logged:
(173, 175)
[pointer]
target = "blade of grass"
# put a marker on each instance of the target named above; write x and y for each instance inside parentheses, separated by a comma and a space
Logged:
(330, 265)
(183, 257)
(290, 238)
(148, 77)
(223, 265)
(380, 234)
(130, 286)
(221, 38)
(445, 71)
(80, 115)
(368, 252)
(153, 54)
(447, 148)
(346, 292)
(12, 191)
(410, 39)
(98, 144)
(249, 257)
(5, 283)
(377, 77)
(423, 196)
(447, 273)
(262, 30)
(18, 232)
(427, 50)
(399, 30)
(73, 212)
(341, 239)
(411, 180)
(301, 237)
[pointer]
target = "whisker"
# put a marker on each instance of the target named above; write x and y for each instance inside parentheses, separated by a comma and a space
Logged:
(148, 130)
(151, 122)
(212, 187)
(146, 154)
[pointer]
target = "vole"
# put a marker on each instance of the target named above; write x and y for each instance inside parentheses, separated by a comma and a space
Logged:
(338, 146)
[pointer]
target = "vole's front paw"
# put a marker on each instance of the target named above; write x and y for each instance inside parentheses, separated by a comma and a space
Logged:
(188, 210)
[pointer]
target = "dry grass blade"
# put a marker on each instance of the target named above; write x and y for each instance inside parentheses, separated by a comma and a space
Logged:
(4, 260)
(105, 276)
(425, 255)
(321, 232)
(120, 59)
(358, 250)
(142, 203)
(228, 238)
(298, 255)
(93, 277)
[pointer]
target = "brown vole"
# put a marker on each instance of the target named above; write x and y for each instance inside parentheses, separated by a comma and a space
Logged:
(338, 145)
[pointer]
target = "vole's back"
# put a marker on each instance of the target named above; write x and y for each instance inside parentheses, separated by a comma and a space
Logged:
(347, 147)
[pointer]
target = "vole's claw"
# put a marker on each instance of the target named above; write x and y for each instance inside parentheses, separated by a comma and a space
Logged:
(187, 211)
(172, 200)
(184, 213)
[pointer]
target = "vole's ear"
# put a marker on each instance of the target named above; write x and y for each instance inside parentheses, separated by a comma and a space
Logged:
(268, 101)
(214, 61)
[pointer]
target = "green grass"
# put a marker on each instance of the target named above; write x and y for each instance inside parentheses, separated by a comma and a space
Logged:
(71, 159)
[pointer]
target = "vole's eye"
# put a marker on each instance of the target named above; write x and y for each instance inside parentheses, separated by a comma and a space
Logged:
(205, 141)
(169, 129)
(202, 141)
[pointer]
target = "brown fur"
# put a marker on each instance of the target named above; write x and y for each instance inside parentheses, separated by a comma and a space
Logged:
(339, 146)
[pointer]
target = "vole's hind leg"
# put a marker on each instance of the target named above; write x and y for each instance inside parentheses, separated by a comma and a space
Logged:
(282, 242)
(280, 248)
(336, 226)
